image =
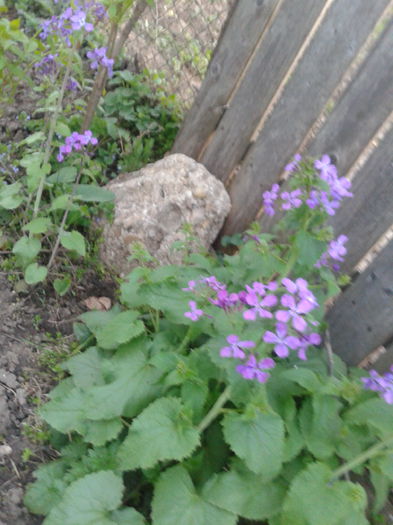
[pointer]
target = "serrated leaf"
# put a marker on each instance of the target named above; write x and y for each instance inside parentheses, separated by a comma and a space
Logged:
(375, 413)
(120, 329)
(62, 129)
(48, 490)
(86, 368)
(161, 432)
(88, 500)
(27, 249)
(303, 377)
(309, 248)
(90, 193)
(258, 440)
(99, 432)
(62, 286)
(35, 274)
(73, 241)
(244, 493)
(127, 516)
(38, 136)
(10, 197)
(313, 500)
(39, 225)
(320, 423)
(60, 203)
(175, 500)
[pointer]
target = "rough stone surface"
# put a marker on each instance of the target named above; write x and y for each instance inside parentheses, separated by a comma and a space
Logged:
(154, 203)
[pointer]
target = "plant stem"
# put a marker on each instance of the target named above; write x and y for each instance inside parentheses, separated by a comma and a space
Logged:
(51, 132)
(215, 410)
(361, 458)
(186, 340)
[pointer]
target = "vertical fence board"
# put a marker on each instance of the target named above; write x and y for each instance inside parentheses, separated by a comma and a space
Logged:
(366, 216)
(362, 317)
(384, 363)
(335, 44)
(236, 44)
(357, 116)
(271, 62)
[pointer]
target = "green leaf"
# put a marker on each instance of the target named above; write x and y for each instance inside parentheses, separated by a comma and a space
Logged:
(48, 490)
(303, 377)
(88, 500)
(62, 286)
(312, 500)
(257, 439)
(127, 516)
(99, 432)
(64, 175)
(309, 248)
(119, 330)
(244, 493)
(60, 203)
(90, 193)
(73, 241)
(375, 413)
(35, 274)
(86, 368)
(39, 225)
(38, 136)
(26, 249)
(161, 432)
(10, 197)
(176, 501)
(381, 486)
(320, 424)
(62, 129)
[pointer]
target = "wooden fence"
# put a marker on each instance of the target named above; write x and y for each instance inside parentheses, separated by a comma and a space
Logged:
(308, 76)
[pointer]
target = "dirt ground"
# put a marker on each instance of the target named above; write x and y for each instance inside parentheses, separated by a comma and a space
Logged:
(28, 346)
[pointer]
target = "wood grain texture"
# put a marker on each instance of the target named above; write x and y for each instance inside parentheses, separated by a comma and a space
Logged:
(335, 44)
(237, 42)
(362, 318)
(367, 216)
(362, 109)
(275, 54)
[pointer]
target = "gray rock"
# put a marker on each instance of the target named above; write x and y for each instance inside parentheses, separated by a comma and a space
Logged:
(153, 205)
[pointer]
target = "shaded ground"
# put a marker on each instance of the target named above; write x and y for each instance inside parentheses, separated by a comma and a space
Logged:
(29, 348)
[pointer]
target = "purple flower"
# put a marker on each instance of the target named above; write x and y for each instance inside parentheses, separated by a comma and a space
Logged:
(382, 384)
(256, 370)
(282, 341)
(306, 340)
(191, 286)
(47, 66)
(235, 347)
(291, 199)
(72, 85)
(325, 167)
(300, 287)
(330, 206)
(98, 58)
(268, 199)
(258, 305)
(336, 248)
(195, 313)
(295, 310)
(293, 166)
(76, 141)
(225, 300)
(213, 283)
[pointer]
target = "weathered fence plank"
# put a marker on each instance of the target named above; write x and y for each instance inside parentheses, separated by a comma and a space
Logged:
(366, 216)
(237, 43)
(357, 116)
(362, 318)
(332, 49)
(384, 363)
(274, 57)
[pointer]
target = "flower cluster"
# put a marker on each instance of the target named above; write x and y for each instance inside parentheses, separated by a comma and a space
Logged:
(47, 66)
(288, 304)
(328, 199)
(336, 251)
(98, 58)
(382, 384)
(72, 19)
(76, 141)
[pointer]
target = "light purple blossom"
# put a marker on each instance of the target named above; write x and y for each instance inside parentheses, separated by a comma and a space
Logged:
(98, 58)
(78, 21)
(295, 311)
(235, 348)
(254, 369)
(191, 286)
(291, 199)
(225, 300)
(213, 283)
(380, 383)
(325, 167)
(282, 341)
(336, 251)
(293, 166)
(259, 304)
(47, 66)
(76, 142)
(195, 313)
(268, 199)
(306, 340)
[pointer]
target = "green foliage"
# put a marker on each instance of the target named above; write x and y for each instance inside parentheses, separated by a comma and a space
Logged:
(152, 401)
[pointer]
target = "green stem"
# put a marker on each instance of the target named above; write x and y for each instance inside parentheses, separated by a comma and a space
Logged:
(361, 458)
(215, 410)
(48, 147)
(187, 338)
